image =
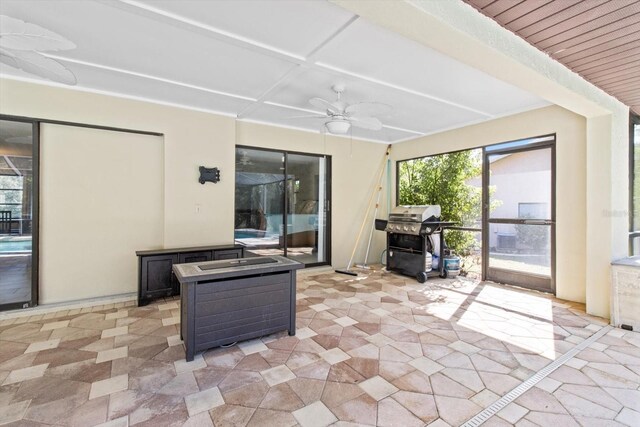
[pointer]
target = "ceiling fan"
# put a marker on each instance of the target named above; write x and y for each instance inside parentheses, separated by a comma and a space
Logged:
(244, 158)
(21, 44)
(340, 116)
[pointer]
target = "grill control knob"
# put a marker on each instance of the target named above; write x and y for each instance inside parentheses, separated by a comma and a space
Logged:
(405, 228)
(413, 228)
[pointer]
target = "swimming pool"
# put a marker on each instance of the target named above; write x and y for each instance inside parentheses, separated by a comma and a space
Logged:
(15, 246)
(248, 233)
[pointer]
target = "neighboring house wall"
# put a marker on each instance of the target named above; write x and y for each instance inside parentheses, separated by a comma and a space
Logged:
(191, 139)
(518, 178)
(571, 215)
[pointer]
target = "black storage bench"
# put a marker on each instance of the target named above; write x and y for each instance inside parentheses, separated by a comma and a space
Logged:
(227, 301)
(155, 267)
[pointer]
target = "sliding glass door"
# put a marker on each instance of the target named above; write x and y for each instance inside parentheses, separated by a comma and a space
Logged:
(282, 204)
(259, 201)
(307, 208)
(18, 214)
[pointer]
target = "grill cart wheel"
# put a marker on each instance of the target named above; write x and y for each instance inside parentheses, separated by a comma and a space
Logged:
(421, 277)
(444, 274)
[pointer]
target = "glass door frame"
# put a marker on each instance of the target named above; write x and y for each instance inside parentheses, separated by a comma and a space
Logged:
(634, 120)
(285, 207)
(35, 220)
(513, 277)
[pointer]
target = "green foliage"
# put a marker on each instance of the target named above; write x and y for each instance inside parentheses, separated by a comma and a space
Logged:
(443, 180)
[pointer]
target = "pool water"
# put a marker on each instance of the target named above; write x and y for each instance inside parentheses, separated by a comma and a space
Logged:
(244, 235)
(12, 246)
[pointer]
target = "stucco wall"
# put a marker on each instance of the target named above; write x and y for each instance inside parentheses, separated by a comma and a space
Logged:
(191, 139)
(571, 217)
(101, 200)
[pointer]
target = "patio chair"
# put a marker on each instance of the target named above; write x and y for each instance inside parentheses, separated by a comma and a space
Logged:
(5, 222)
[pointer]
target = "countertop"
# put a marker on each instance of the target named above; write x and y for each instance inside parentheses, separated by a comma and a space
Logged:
(163, 251)
(191, 272)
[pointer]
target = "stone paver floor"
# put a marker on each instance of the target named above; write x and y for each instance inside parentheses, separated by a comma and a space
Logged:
(378, 349)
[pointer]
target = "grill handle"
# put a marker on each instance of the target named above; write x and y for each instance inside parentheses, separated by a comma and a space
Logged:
(381, 224)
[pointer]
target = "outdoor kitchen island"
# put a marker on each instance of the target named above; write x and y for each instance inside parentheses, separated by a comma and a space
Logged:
(226, 301)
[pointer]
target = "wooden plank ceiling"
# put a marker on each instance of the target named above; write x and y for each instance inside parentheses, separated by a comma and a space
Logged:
(598, 39)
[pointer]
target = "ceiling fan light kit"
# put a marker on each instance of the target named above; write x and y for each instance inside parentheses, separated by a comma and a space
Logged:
(338, 126)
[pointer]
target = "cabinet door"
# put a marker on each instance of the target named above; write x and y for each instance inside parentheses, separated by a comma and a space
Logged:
(157, 275)
(227, 254)
(195, 257)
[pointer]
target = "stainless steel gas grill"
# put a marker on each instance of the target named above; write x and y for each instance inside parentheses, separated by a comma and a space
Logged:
(410, 241)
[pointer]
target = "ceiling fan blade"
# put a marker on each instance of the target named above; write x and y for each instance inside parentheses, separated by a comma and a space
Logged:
(19, 35)
(366, 123)
(35, 63)
(323, 104)
(366, 109)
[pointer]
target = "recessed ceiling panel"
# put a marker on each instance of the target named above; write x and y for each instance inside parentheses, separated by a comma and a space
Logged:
(410, 111)
(294, 26)
(368, 50)
(283, 116)
(132, 86)
(111, 36)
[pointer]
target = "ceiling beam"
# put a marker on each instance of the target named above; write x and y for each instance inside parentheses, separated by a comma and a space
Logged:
(158, 14)
(295, 71)
(402, 89)
(12, 166)
(146, 76)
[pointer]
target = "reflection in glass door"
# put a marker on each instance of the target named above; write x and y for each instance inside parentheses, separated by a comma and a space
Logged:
(282, 204)
(519, 217)
(306, 208)
(259, 201)
(18, 214)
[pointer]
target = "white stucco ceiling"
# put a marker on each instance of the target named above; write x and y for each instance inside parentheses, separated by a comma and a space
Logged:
(263, 60)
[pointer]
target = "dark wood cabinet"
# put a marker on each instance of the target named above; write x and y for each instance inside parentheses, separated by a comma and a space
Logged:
(188, 257)
(156, 272)
(226, 254)
(155, 267)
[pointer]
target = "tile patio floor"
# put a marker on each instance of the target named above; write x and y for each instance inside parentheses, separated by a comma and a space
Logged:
(377, 350)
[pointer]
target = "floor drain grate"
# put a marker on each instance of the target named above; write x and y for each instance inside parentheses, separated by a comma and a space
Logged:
(499, 404)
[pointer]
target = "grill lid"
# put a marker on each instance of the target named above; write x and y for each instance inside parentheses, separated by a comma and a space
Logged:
(415, 213)
(408, 219)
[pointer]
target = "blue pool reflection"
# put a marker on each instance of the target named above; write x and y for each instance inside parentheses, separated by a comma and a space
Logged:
(15, 246)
